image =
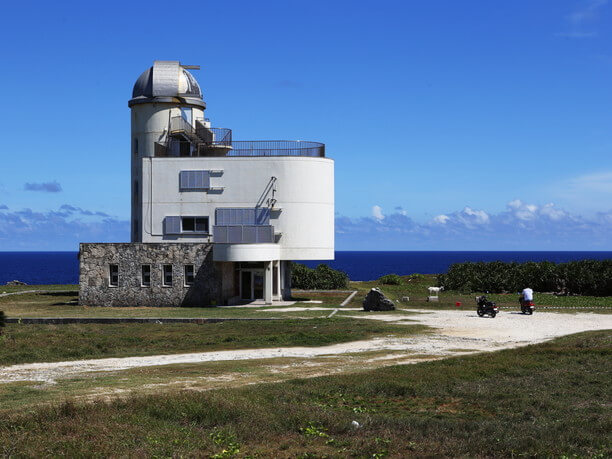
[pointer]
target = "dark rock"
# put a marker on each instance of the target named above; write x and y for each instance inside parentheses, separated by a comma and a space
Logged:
(375, 300)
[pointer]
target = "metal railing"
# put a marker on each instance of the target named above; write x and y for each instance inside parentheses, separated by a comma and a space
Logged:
(221, 136)
(200, 133)
(202, 137)
(180, 124)
(276, 148)
(246, 148)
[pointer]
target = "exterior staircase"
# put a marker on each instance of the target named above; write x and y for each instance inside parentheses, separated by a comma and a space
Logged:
(206, 141)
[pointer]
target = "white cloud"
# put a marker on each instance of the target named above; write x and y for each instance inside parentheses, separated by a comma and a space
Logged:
(441, 219)
(521, 226)
(588, 192)
(521, 211)
(599, 182)
(477, 216)
(60, 229)
(549, 210)
(377, 213)
(580, 22)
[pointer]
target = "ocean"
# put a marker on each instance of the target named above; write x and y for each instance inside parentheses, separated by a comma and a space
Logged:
(63, 267)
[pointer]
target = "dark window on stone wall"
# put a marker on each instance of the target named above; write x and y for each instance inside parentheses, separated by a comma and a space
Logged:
(113, 275)
(167, 275)
(146, 276)
(189, 275)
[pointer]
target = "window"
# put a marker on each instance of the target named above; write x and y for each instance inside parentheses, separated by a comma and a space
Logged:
(189, 275)
(135, 147)
(194, 180)
(185, 225)
(113, 275)
(146, 276)
(167, 276)
(186, 114)
(194, 224)
(135, 192)
(135, 230)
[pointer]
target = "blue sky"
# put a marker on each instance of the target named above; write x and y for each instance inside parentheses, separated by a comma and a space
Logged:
(471, 125)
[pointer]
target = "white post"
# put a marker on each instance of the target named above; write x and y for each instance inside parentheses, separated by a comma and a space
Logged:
(268, 282)
(279, 286)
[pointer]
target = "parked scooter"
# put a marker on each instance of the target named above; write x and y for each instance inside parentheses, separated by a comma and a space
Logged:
(486, 307)
(527, 307)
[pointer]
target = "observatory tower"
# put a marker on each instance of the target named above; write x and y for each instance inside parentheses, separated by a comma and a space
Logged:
(214, 220)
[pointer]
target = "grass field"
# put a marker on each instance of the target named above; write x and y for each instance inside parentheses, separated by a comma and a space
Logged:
(49, 287)
(546, 400)
(416, 289)
(51, 343)
(62, 301)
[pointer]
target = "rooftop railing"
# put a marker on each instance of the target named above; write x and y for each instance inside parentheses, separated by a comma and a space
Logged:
(276, 148)
(202, 138)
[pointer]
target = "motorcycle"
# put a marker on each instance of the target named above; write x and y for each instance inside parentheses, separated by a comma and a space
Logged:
(527, 307)
(486, 307)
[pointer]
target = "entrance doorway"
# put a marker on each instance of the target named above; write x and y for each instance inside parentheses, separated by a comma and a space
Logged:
(252, 284)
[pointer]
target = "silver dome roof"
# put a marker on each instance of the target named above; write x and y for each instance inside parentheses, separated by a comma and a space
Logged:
(166, 79)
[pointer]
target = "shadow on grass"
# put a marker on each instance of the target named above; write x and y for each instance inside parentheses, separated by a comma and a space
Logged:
(61, 293)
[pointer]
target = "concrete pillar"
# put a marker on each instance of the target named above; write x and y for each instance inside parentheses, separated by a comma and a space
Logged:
(268, 282)
(279, 290)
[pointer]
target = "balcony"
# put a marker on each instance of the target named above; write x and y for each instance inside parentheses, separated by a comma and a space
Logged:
(201, 141)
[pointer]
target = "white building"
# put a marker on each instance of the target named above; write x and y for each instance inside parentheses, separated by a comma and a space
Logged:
(254, 205)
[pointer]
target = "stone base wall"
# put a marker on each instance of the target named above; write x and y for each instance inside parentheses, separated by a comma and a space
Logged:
(95, 289)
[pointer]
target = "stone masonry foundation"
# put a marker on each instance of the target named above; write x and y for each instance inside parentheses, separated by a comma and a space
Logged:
(95, 260)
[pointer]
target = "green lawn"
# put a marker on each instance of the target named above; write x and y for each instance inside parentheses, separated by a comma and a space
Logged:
(416, 289)
(547, 400)
(21, 288)
(49, 343)
(64, 303)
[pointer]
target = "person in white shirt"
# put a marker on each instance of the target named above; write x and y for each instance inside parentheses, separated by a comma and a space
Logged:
(526, 295)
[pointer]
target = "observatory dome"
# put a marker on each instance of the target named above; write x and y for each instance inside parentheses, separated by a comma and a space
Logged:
(166, 79)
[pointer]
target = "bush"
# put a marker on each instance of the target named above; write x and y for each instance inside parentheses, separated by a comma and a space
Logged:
(390, 279)
(584, 277)
(2, 321)
(321, 278)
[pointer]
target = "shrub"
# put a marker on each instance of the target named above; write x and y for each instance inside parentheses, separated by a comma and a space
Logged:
(584, 277)
(321, 278)
(2, 321)
(390, 279)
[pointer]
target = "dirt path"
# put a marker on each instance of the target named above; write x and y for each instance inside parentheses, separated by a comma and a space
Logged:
(21, 292)
(458, 332)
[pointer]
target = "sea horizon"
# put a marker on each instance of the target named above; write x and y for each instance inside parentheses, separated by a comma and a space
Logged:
(62, 267)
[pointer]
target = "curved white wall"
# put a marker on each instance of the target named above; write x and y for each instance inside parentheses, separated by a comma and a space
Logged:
(246, 252)
(150, 123)
(304, 193)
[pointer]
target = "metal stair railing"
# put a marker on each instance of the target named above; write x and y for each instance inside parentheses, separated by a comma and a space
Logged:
(178, 125)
